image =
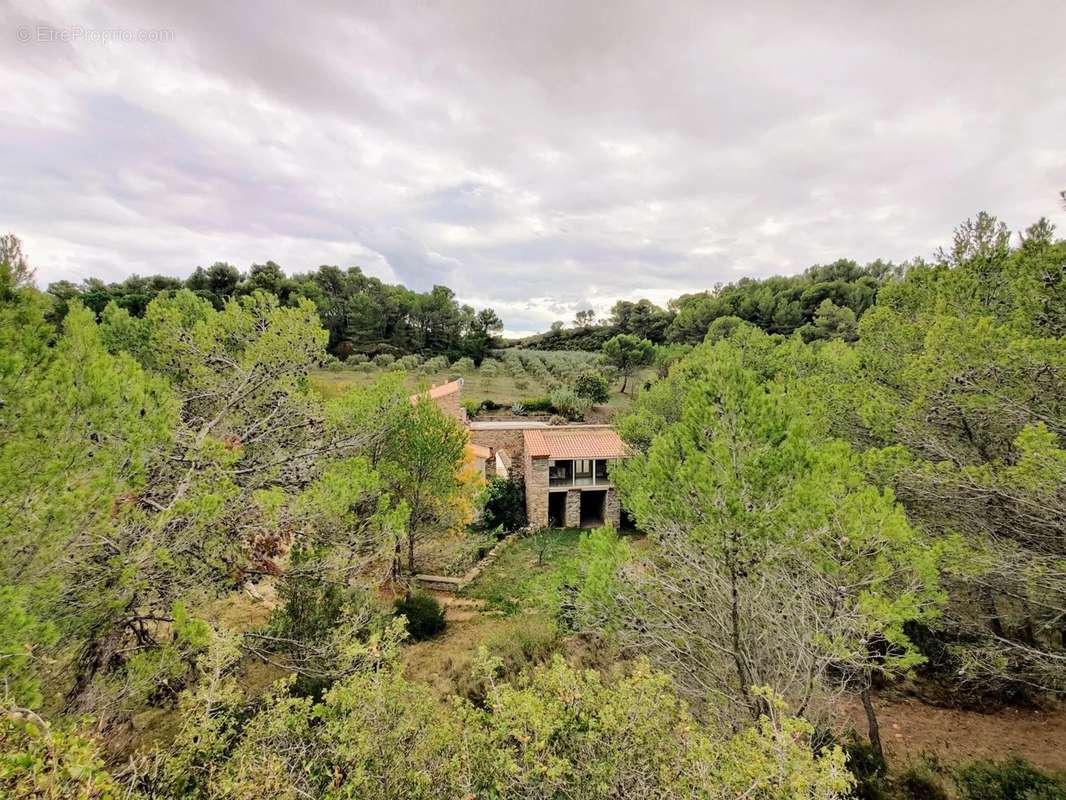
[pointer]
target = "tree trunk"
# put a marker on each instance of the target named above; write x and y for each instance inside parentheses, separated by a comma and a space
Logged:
(743, 677)
(873, 729)
(411, 552)
(625, 382)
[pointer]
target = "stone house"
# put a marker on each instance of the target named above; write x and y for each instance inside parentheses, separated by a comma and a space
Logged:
(566, 476)
(564, 468)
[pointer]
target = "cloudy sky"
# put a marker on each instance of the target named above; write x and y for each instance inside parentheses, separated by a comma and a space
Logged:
(535, 156)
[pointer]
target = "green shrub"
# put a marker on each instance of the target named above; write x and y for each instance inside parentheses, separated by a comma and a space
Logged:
(538, 404)
(521, 383)
(1012, 779)
(435, 365)
(489, 369)
(569, 404)
(490, 405)
(356, 358)
(868, 768)
(383, 360)
(473, 407)
(409, 362)
(363, 367)
(592, 385)
(464, 366)
(503, 505)
(309, 607)
(919, 783)
(425, 616)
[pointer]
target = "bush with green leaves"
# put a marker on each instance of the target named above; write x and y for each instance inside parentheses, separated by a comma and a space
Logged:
(503, 505)
(356, 358)
(409, 362)
(527, 641)
(568, 403)
(472, 408)
(21, 633)
(592, 385)
(51, 762)
(1011, 779)
(556, 731)
(538, 405)
(424, 614)
(384, 360)
(434, 365)
(464, 366)
(919, 782)
(310, 604)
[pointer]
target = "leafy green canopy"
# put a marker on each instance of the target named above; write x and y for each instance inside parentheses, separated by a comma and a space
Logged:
(773, 561)
(150, 465)
(557, 731)
(360, 313)
(959, 393)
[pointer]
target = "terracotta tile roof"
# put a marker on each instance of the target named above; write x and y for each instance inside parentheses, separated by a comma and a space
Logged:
(574, 442)
(437, 392)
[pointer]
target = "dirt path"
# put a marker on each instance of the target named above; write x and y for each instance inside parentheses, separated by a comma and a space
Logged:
(911, 728)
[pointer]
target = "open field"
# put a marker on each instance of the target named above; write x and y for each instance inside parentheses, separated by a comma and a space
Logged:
(515, 377)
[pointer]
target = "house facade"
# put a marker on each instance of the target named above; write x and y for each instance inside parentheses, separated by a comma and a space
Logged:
(567, 478)
(565, 469)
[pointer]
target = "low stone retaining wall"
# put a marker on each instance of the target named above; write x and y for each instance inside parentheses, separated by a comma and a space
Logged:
(443, 583)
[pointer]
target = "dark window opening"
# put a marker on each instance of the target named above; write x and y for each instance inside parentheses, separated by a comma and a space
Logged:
(560, 473)
(601, 470)
(556, 509)
(593, 505)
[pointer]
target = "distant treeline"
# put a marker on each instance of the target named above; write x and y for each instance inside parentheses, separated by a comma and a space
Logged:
(361, 313)
(825, 301)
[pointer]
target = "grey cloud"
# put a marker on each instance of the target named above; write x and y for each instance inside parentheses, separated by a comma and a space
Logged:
(527, 154)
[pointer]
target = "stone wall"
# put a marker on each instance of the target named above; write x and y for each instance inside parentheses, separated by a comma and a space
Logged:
(572, 518)
(452, 406)
(509, 440)
(536, 477)
(612, 509)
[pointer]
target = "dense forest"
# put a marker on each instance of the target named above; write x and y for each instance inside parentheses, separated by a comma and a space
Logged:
(364, 315)
(360, 313)
(854, 477)
(822, 302)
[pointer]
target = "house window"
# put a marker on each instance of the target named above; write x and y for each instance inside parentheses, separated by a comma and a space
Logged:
(601, 470)
(583, 472)
(560, 473)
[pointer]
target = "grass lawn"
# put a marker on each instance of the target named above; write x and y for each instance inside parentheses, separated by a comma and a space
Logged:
(528, 574)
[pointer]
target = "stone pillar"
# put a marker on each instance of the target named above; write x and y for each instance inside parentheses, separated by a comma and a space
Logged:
(573, 508)
(536, 481)
(612, 509)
